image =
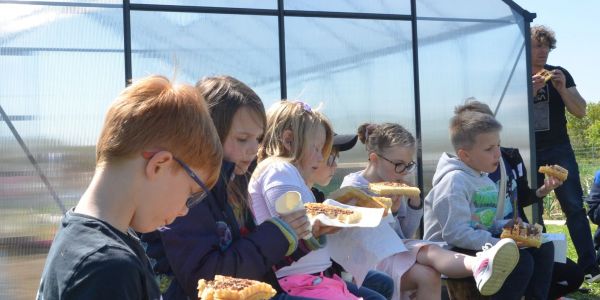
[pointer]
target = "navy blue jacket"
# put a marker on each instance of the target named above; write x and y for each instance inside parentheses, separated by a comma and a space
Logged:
(207, 241)
(593, 200)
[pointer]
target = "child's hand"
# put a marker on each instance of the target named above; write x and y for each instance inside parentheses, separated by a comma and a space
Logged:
(550, 183)
(298, 221)
(318, 229)
(396, 202)
(520, 244)
(414, 201)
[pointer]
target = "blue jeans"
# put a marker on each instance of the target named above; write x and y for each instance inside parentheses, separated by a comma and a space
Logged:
(570, 197)
(515, 285)
(543, 267)
(597, 244)
(568, 272)
(532, 276)
(376, 286)
(284, 296)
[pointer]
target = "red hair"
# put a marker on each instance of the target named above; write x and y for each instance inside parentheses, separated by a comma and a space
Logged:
(153, 113)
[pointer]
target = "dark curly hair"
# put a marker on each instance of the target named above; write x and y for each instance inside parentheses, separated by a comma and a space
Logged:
(543, 35)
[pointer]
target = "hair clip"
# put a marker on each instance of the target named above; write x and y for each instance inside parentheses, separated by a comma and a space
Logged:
(304, 106)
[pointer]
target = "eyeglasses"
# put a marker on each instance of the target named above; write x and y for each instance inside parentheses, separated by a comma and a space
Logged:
(332, 158)
(197, 197)
(401, 167)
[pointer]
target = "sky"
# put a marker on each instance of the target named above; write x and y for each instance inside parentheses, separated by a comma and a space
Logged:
(578, 39)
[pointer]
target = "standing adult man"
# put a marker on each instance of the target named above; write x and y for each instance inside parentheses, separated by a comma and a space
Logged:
(553, 146)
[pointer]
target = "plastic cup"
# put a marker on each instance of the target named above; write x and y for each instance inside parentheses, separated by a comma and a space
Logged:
(288, 203)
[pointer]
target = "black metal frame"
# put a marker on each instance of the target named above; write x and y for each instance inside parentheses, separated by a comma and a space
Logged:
(417, 89)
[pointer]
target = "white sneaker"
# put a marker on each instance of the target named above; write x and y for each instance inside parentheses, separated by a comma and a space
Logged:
(592, 278)
(494, 264)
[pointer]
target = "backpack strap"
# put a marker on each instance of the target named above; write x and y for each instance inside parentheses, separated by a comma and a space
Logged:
(501, 191)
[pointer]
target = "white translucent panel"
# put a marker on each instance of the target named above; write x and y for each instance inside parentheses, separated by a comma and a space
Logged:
(353, 6)
(481, 60)
(358, 70)
(475, 9)
(192, 46)
(272, 4)
(82, 2)
(62, 66)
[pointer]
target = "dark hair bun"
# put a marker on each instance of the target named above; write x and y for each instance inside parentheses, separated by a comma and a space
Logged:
(364, 131)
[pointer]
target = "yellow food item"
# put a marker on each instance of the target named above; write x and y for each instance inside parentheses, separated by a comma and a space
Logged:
(229, 288)
(555, 171)
(394, 189)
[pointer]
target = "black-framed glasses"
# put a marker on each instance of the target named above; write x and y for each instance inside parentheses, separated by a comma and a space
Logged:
(401, 167)
(333, 157)
(195, 198)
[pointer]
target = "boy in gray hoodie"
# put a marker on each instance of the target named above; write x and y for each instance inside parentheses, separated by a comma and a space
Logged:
(461, 207)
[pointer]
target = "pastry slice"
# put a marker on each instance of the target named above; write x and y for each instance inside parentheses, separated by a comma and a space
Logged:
(343, 215)
(555, 171)
(547, 75)
(394, 189)
(523, 234)
(355, 196)
(348, 193)
(229, 288)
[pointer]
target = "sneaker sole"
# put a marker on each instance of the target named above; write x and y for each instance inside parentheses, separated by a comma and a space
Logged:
(502, 264)
(591, 279)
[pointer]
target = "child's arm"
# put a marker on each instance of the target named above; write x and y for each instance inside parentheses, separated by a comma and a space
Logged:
(409, 220)
(200, 246)
(454, 216)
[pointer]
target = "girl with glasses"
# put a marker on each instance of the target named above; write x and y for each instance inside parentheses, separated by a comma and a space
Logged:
(219, 235)
(417, 271)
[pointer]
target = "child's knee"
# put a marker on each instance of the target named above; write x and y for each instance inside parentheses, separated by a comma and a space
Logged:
(426, 274)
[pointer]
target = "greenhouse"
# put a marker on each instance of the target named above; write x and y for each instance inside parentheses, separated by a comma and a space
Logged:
(408, 62)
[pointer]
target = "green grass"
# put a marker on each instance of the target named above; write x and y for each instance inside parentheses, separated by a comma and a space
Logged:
(593, 287)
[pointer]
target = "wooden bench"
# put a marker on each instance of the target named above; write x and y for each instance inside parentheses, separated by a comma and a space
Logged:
(463, 289)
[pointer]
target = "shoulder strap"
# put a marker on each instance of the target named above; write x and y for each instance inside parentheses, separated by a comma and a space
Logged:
(501, 191)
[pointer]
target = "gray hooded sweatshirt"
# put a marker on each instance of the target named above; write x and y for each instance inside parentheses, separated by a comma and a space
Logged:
(461, 206)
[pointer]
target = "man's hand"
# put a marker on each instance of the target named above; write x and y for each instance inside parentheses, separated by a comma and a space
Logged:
(537, 83)
(558, 80)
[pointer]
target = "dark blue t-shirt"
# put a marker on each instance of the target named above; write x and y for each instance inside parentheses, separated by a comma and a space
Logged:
(90, 259)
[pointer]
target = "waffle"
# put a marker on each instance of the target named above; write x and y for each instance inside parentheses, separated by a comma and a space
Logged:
(523, 234)
(229, 288)
(555, 171)
(394, 189)
(355, 196)
(343, 215)
(547, 75)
